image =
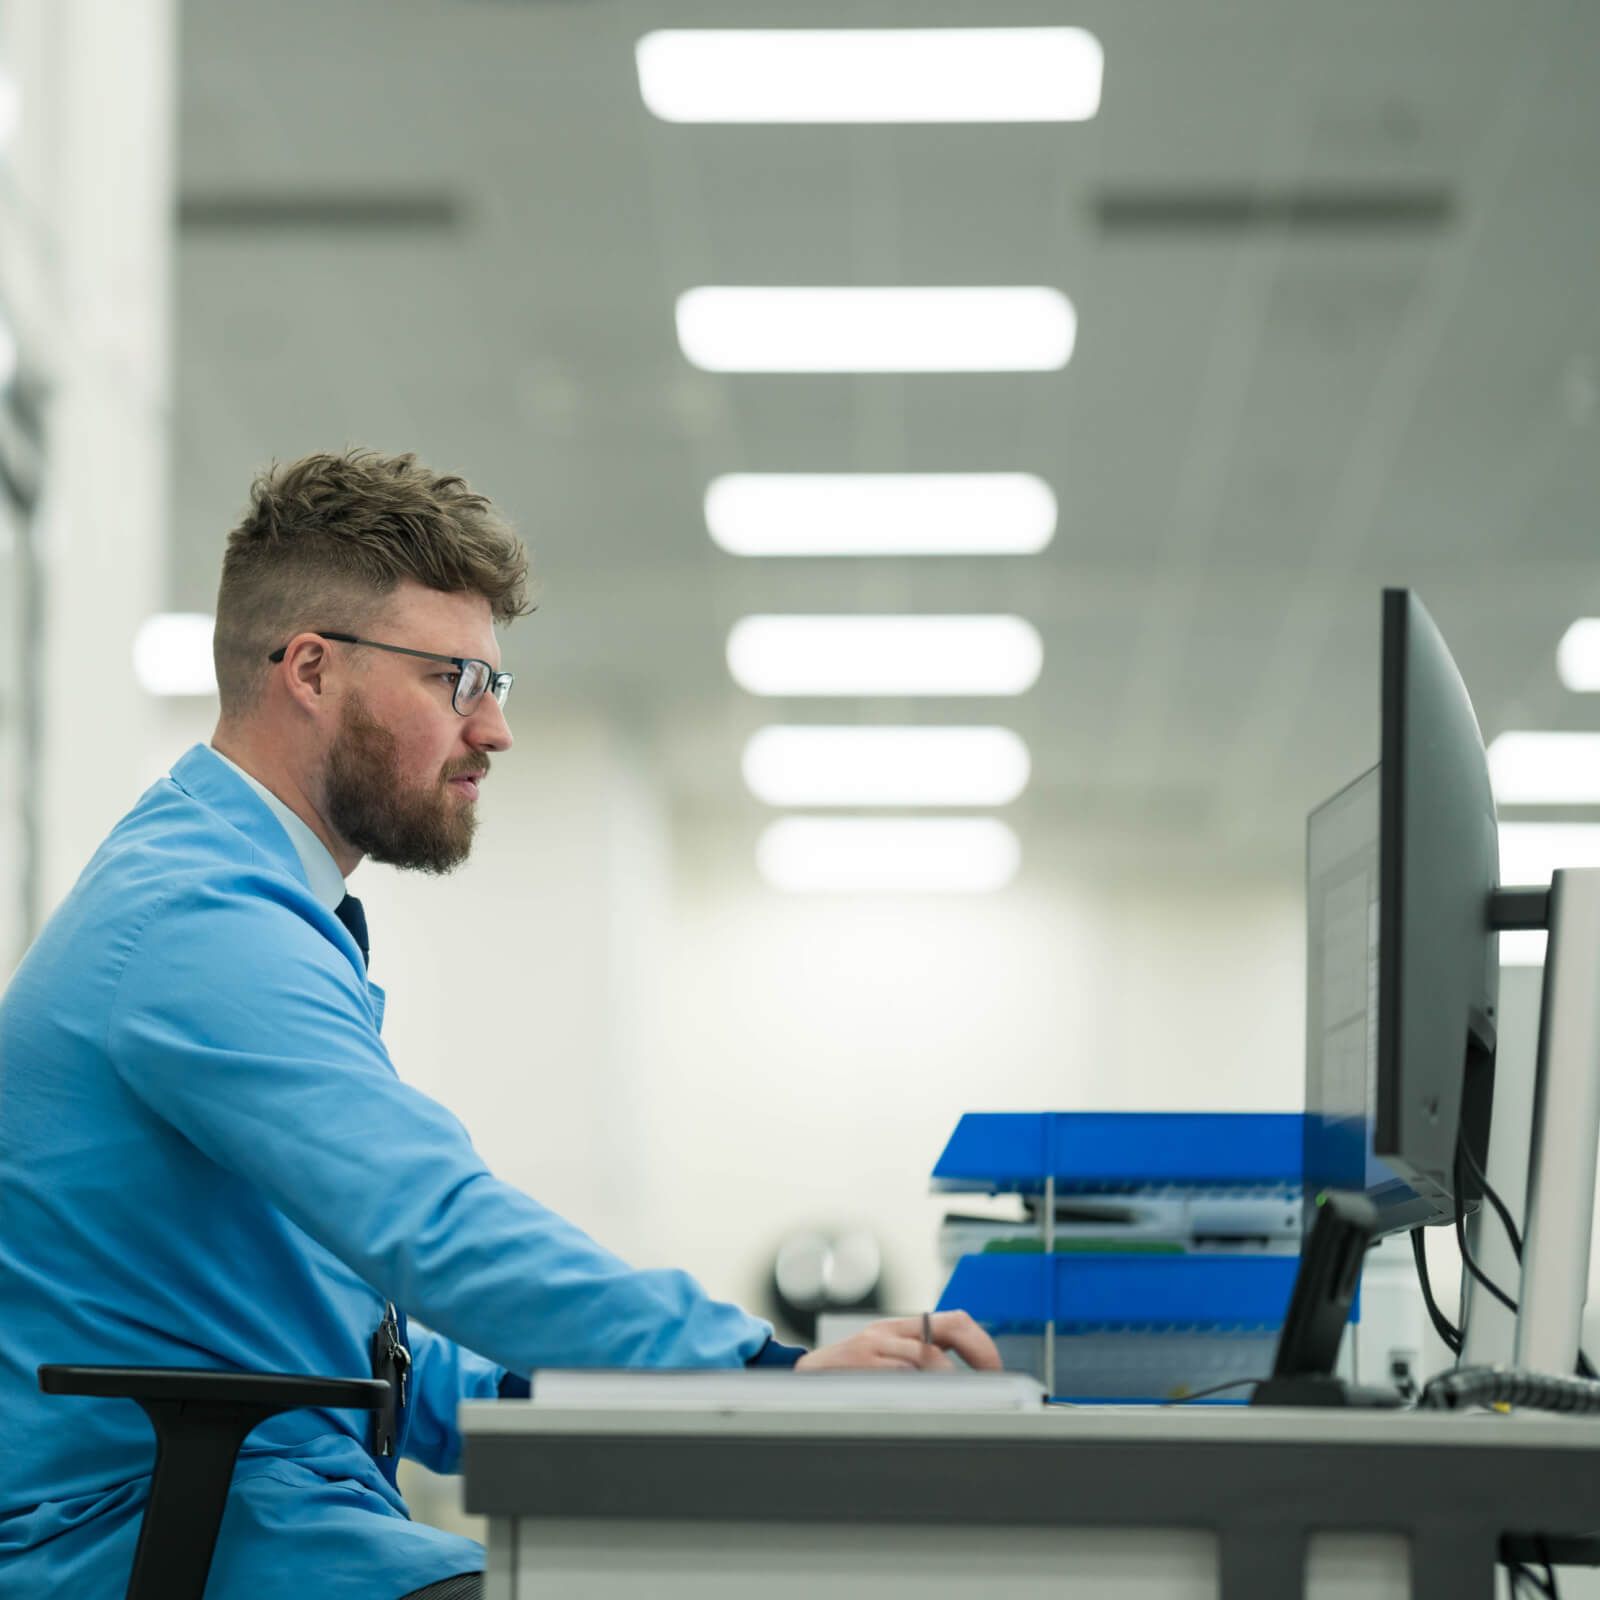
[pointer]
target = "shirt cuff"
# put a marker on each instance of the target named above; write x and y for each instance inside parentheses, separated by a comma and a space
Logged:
(773, 1354)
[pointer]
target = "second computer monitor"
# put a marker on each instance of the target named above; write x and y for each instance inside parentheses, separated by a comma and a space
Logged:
(1403, 962)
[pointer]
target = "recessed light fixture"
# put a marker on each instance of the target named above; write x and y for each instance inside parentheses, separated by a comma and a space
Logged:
(1523, 947)
(1027, 328)
(1545, 768)
(885, 766)
(1578, 656)
(871, 74)
(892, 655)
(10, 108)
(880, 513)
(1531, 851)
(172, 654)
(888, 855)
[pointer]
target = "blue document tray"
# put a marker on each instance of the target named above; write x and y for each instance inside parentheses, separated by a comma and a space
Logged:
(1106, 1152)
(1099, 1290)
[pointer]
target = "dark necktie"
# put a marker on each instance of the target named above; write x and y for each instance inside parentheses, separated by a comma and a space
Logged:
(349, 912)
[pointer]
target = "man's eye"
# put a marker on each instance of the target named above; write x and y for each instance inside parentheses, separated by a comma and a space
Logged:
(452, 678)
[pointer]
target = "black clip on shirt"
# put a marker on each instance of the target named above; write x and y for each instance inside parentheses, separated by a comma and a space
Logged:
(391, 1361)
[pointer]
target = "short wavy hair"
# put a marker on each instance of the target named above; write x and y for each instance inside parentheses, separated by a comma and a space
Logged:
(328, 538)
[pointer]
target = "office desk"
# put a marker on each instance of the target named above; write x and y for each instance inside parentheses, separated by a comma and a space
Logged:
(852, 1505)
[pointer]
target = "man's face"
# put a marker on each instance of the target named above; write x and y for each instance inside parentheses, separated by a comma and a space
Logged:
(401, 777)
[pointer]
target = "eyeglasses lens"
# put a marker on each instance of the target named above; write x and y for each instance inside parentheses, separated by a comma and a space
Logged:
(470, 685)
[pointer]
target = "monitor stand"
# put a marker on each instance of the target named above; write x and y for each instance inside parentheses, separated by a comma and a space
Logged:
(1319, 1309)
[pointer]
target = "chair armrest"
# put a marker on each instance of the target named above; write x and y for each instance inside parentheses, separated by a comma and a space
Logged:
(200, 1417)
(276, 1391)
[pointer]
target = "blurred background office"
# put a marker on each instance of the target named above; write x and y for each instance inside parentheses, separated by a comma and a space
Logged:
(1226, 315)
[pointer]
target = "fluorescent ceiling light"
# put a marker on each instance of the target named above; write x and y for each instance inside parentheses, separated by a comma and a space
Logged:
(1531, 851)
(871, 74)
(1545, 768)
(1523, 947)
(880, 513)
(737, 329)
(172, 654)
(885, 766)
(881, 855)
(884, 655)
(10, 107)
(1578, 656)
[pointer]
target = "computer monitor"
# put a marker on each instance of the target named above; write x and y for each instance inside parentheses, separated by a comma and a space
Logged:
(1402, 967)
(1438, 951)
(1402, 980)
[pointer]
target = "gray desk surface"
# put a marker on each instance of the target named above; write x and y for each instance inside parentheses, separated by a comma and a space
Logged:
(1262, 1480)
(1051, 1425)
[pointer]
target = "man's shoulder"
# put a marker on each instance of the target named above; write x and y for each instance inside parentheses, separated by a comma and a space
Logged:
(177, 891)
(176, 857)
(172, 844)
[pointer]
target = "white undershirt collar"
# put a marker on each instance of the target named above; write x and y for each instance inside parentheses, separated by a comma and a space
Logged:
(322, 871)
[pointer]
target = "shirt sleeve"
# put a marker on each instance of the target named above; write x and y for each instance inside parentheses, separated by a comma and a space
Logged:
(241, 1024)
(442, 1376)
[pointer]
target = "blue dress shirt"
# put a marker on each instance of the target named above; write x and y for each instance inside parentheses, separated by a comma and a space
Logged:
(207, 1160)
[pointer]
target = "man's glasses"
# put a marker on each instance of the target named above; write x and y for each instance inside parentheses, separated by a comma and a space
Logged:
(473, 677)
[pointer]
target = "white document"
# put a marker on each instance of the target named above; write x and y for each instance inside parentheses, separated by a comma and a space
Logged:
(719, 1390)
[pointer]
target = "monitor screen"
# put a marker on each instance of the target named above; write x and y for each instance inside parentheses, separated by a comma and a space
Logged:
(1342, 997)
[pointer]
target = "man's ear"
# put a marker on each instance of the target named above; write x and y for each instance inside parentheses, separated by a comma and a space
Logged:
(306, 668)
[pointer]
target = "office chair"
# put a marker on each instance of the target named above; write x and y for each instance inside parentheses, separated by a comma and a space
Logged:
(201, 1418)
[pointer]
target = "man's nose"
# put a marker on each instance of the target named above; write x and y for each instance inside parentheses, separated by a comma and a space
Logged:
(487, 728)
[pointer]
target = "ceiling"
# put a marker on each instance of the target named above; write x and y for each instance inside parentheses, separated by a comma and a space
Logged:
(451, 226)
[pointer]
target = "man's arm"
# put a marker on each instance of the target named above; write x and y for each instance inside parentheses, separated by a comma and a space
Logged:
(238, 1023)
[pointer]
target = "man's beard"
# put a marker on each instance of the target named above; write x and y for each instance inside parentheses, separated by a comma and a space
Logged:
(370, 808)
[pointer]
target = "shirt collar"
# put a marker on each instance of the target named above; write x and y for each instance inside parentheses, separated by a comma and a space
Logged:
(323, 876)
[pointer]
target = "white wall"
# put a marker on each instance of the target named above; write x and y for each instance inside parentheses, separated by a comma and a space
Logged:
(86, 269)
(817, 1052)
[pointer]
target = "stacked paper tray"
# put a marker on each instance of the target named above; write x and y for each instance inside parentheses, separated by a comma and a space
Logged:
(1171, 1221)
(1143, 1367)
(1096, 1291)
(1111, 1152)
(1170, 1252)
(1130, 1326)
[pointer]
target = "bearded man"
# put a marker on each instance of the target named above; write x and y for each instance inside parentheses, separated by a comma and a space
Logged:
(206, 1156)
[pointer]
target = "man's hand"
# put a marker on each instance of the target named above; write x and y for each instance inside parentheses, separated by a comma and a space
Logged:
(898, 1343)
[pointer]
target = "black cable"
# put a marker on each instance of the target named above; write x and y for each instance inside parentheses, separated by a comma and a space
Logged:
(1494, 1386)
(1470, 1263)
(1216, 1388)
(1467, 1258)
(1520, 1574)
(1586, 1367)
(1441, 1324)
(1494, 1200)
(1549, 1571)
